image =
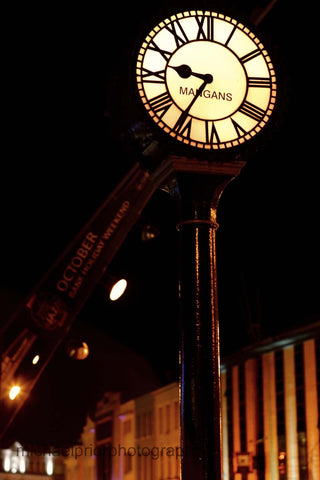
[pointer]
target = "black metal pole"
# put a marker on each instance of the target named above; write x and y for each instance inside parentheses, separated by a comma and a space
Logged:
(200, 375)
(200, 186)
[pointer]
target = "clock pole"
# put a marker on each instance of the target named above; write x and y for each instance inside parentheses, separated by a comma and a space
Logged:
(200, 185)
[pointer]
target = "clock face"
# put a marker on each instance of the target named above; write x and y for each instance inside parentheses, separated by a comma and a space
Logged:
(206, 80)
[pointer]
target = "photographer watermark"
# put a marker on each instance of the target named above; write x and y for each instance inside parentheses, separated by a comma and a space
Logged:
(155, 452)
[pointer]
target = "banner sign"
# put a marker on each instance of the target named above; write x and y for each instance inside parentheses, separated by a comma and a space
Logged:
(46, 316)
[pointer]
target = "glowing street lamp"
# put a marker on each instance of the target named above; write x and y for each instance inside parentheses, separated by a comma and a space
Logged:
(35, 359)
(118, 289)
(14, 392)
(114, 286)
(77, 349)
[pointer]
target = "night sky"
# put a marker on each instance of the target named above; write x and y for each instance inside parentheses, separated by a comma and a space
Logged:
(72, 102)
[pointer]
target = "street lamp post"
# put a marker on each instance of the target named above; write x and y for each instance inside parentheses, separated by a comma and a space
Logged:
(200, 185)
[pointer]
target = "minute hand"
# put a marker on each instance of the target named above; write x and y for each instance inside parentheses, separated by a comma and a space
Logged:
(185, 113)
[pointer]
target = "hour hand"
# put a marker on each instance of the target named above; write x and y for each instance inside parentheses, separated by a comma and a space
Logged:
(184, 71)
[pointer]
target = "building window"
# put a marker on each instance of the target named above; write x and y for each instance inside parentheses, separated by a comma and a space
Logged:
(242, 409)
(150, 422)
(138, 426)
(104, 463)
(177, 466)
(144, 425)
(146, 466)
(127, 460)
(280, 397)
(318, 373)
(299, 371)
(151, 469)
(169, 460)
(161, 467)
(126, 427)
(260, 459)
(301, 418)
(139, 460)
(160, 420)
(104, 430)
(230, 417)
(167, 418)
(176, 416)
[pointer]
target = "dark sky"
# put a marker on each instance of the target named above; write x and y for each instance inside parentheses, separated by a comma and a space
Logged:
(63, 157)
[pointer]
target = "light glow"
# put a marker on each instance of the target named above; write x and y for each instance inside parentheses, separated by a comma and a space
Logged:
(35, 359)
(22, 465)
(77, 350)
(49, 465)
(14, 392)
(83, 351)
(6, 460)
(118, 289)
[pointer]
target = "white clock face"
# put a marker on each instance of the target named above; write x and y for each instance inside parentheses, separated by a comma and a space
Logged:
(206, 80)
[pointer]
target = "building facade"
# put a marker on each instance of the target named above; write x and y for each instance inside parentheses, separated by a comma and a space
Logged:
(270, 408)
(139, 439)
(80, 460)
(270, 420)
(18, 462)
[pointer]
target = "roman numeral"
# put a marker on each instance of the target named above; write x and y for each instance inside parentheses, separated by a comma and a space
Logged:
(250, 56)
(230, 36)
(153, 46)
(172, 29)
(259, 82)
(205, 25)
(161, 103)
(252, 111)
(211, 133)
(240, 131)
(185, 129)
(160, 76)
(183, 125)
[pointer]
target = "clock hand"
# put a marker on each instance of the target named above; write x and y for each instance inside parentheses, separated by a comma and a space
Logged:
(184, 71)
(185, 113)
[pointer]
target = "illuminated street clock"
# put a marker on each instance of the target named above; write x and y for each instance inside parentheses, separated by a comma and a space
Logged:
(206, 80)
